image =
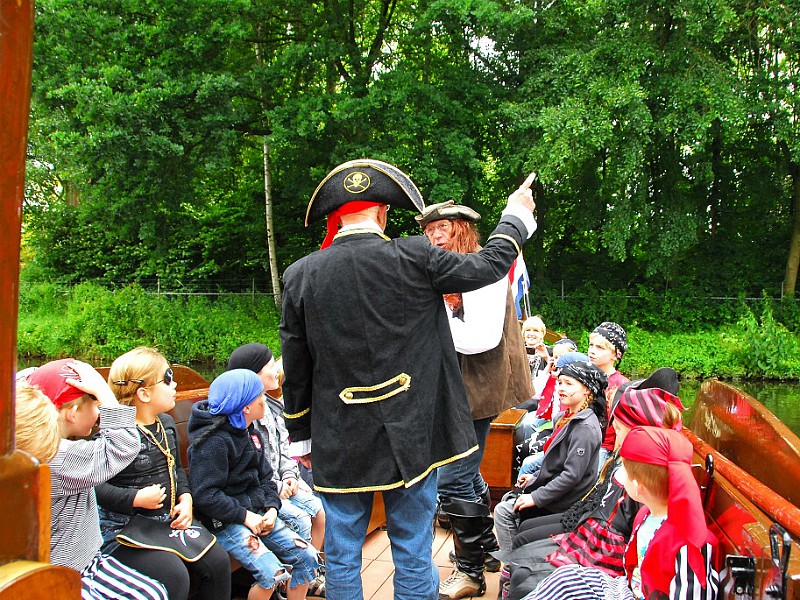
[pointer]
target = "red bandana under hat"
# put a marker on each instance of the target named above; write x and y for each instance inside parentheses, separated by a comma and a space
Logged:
(335, 218)
(668, 448)
(51, 379)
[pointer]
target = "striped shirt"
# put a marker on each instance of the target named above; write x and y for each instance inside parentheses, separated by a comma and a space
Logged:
(78, 467)
(574, 582)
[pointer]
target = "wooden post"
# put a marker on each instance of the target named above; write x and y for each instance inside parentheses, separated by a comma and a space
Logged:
(16, 45)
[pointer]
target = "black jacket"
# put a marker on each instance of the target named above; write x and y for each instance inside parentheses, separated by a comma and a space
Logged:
(228, 471)
(371, 370)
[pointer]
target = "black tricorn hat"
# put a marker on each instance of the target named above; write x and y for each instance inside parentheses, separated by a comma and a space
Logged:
(367, 180)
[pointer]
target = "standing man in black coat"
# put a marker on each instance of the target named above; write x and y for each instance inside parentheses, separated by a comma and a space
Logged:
(371, 373)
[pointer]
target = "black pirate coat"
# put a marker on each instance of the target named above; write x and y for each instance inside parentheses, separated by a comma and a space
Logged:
(371, 372)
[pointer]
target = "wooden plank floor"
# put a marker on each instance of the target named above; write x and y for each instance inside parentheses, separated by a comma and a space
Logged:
(377, 566)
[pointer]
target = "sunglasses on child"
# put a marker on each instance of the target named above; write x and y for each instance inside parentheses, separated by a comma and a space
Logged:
(168, 378)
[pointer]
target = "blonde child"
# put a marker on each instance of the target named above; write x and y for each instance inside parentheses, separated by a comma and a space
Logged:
(80, 395)
(607, 344)
(533, 332)
(36, 429)
(155, 484)
(670, 553)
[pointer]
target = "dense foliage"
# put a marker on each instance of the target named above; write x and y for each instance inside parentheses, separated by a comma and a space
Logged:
(665, 134)
(93, 322)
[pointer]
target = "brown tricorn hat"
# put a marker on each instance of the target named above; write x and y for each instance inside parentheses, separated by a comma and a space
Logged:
(363, 180)
(447, 210)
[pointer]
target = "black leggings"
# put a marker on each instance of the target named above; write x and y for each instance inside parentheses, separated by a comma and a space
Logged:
(538, 528)
(212, 572)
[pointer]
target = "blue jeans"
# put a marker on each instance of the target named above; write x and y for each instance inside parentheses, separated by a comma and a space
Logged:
(409, 522)
(265, 556)
(297, 512)
(602, 457)
(462, 479)
(531, 465)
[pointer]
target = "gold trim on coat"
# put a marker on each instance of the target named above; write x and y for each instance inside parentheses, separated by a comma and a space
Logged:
(391, 486)
(403, 380)
(503, 236)
(347, 232)
(297, 415)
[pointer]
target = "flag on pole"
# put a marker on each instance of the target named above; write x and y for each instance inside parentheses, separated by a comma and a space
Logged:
(520, 284)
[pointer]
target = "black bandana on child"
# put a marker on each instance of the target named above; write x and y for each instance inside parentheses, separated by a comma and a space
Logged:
(614, 334)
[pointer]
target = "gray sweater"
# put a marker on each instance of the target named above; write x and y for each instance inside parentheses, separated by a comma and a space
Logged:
(570, 464)
(76, 469)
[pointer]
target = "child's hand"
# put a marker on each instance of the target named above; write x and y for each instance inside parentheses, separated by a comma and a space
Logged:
(91, 382)
(182, 512)
(524, 501)
(268, 521)
(288, 487)
(305, 460)
(524, 480)
(253, 522)
(151, 497)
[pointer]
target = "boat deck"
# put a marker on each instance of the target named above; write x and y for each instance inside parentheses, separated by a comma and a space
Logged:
(377, 566)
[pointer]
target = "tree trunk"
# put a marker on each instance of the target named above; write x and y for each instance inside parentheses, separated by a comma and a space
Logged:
(273, 259)
(790, 279)
(270, 225)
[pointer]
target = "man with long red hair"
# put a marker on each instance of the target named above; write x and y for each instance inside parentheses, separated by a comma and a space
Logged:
(494, 367)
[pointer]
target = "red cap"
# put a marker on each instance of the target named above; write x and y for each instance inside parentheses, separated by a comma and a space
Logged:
(51, 379)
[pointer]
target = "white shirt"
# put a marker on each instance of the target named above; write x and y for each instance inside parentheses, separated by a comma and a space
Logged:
(484, 316)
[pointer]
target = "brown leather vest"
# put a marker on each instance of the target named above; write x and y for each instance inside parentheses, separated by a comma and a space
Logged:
(498, 378)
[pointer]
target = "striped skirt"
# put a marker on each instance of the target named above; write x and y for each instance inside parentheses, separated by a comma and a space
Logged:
(105, 578)
(574, 582)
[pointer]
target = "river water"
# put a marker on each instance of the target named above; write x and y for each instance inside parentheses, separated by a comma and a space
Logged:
(782, 398)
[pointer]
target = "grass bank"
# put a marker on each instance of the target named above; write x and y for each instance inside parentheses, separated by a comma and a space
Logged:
(93, 322)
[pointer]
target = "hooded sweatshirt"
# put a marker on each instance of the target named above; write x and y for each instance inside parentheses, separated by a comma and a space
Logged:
(229, 473)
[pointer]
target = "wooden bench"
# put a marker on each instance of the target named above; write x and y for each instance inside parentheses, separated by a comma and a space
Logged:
(497, 466)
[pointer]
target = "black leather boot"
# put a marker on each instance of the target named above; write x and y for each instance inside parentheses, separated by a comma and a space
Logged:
(489, 544)
(467, 579)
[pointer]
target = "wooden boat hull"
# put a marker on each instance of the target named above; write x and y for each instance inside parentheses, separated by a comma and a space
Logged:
(743, 430)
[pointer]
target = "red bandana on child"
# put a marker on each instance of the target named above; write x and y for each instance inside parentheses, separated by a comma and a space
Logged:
(668, 448)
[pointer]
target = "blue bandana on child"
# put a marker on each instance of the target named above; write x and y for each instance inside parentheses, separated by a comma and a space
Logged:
(231, 392)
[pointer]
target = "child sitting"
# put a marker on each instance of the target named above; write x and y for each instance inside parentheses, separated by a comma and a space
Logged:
(36, 430)
(570, 454)
(80, 394)
(234, 490)
(155, 484)
(670, 553)
(594, 531)
(300, 509)
(537, 425)
(607, 344)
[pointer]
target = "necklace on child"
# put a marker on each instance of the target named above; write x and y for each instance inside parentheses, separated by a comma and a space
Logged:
(166, 452)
